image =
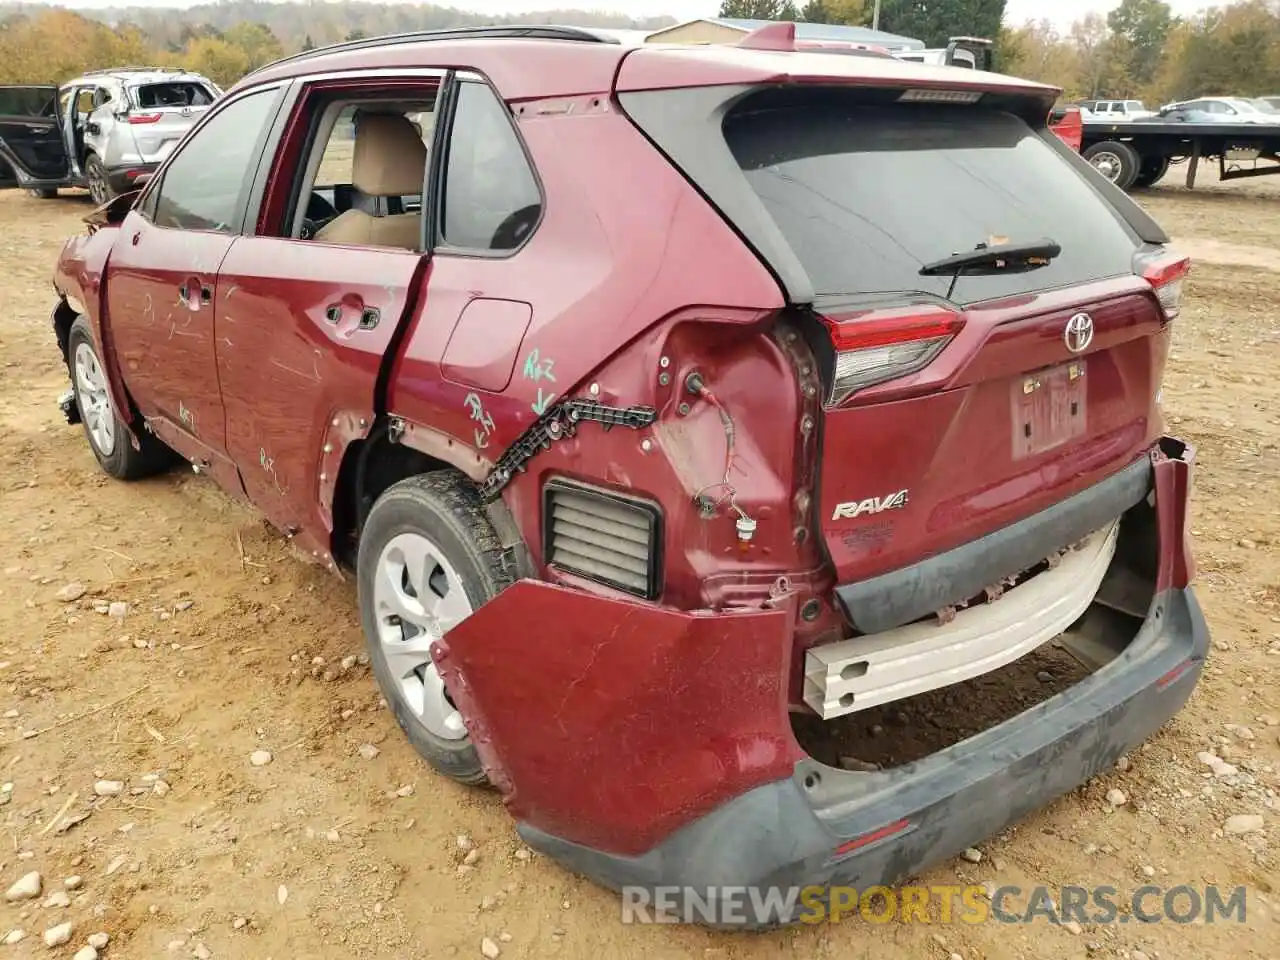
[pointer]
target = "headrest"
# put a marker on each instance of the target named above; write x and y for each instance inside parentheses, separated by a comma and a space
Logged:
(390, 159)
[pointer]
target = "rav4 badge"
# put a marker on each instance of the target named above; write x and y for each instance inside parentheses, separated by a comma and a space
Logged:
(861, 508)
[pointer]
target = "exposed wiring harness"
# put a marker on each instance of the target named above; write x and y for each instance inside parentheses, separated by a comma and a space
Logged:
(728, 492)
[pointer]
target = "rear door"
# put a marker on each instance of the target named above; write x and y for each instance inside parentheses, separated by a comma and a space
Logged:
(31, 137)
(303, 324)
(960, 401)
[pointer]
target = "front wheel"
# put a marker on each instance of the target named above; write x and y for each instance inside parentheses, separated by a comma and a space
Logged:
(428, 559)
(99, 184)
(108, 434)
(1115, 160)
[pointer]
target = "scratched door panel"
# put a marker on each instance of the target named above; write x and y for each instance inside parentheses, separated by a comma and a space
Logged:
(301, 330)
(160, 311)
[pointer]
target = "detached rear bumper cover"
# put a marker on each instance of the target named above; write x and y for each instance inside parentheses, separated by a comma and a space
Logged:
(786, 833)
(647, 746)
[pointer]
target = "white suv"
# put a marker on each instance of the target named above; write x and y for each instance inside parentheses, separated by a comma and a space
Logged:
(103, 130)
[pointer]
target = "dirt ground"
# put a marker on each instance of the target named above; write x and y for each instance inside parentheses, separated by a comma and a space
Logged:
(333, 851)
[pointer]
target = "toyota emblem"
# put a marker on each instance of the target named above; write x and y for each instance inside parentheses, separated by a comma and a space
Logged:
(1079, 333)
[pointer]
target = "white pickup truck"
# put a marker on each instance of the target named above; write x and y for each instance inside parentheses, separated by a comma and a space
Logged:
(1115, 109)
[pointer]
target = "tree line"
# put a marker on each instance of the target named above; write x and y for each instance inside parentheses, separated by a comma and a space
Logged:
(1139, 49)
(226, 40)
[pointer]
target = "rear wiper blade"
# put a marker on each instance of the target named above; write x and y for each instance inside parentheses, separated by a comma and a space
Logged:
(1011, 257)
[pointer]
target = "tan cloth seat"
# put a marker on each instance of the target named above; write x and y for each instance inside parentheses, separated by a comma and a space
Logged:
(389, 160)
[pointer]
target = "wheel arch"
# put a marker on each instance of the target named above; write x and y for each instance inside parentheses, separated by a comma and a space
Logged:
(372, 463)
(80, 278)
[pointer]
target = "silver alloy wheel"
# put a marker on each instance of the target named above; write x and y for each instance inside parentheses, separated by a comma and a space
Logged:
(98, 190)
(1107, 164)
(418, 597)
(95, 401)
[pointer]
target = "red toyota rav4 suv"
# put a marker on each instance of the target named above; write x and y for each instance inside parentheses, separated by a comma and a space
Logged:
(659, 395)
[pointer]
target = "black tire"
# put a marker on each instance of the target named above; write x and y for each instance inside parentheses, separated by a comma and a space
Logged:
(43, 193)
(1153, 168)
(444, 507)
(99, 183)
(1115, 160)
(122, 461)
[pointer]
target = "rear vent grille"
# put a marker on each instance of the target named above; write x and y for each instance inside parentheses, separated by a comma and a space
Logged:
(603, 536)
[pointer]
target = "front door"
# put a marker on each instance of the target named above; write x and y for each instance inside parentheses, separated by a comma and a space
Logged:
(30, 137)
(301, 342)
(162, 290)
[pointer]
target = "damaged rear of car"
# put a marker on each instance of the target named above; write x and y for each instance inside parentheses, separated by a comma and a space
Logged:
(943, 451)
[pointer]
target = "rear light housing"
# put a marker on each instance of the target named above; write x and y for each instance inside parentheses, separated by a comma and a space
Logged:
(875, 346)
(1166, 274)
(141, 118)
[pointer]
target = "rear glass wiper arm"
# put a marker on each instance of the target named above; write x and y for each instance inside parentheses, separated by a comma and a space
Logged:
(1011, 257)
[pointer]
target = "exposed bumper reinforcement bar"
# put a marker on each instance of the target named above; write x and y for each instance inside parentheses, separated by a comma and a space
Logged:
(863, 672)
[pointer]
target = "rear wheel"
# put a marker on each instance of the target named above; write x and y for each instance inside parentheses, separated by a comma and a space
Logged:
(1153, 168)
(1116, 161)
(108, 434)
(428, 559)
(99, 185)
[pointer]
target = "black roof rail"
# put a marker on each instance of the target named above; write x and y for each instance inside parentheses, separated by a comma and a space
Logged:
(510, 32)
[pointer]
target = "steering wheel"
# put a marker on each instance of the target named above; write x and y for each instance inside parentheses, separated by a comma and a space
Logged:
(512, 230)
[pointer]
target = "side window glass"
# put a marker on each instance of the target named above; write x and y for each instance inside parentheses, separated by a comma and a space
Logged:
(205, 184)
(84, 100)
(363, 185)
(491, 199)
(101, 96)
(339, 153)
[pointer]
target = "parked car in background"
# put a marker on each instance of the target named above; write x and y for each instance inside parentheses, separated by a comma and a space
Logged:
(1273, 100)
(1187, 114)
(1219, 110)
(102, 130)
(1115, 109)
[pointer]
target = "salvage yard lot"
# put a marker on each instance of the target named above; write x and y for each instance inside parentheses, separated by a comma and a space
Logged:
(230, 645)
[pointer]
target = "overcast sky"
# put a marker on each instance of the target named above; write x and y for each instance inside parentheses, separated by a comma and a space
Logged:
(1062, 12)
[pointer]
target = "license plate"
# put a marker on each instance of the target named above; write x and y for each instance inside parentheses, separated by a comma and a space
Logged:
(1049, 409)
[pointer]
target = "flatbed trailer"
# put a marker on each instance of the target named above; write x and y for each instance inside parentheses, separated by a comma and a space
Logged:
(1137, 153)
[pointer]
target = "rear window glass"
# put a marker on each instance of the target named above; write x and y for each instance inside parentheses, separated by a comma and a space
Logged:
(27, 101)
(173, 94)
(866, 195)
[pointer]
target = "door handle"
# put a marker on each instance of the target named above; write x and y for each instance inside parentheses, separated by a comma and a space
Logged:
(185, 294)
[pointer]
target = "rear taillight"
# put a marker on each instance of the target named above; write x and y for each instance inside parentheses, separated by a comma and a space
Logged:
(137, 118)
(1166, 276)
(882, 345)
